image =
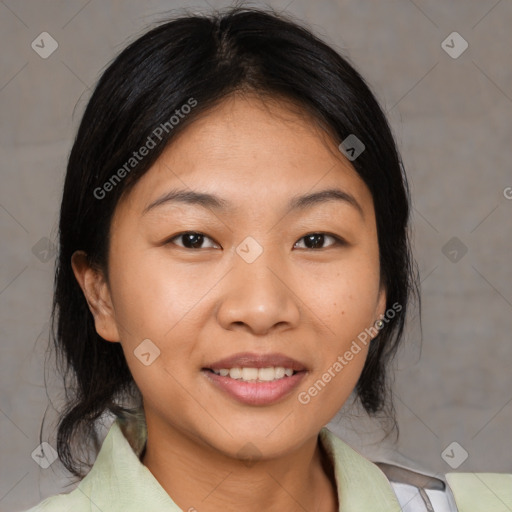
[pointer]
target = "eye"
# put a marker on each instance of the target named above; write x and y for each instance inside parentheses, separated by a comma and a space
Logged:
(192, 240)
(316, 240)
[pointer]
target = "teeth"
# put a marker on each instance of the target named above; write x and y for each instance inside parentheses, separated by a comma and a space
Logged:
(255, 374)
(249, 373)
(266, 374)
(280, 372)
(235, 373)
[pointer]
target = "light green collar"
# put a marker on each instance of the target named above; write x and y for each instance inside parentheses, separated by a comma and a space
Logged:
(118, 480)
(361, 485)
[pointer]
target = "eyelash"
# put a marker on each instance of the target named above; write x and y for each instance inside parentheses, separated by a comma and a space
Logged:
(337, 240)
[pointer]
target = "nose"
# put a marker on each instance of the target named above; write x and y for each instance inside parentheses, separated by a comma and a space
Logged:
(258, 297)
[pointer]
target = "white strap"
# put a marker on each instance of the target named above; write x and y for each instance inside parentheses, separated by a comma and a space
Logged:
(418, 492)
(418, 499)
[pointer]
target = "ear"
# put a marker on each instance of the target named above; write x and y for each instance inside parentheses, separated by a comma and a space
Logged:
(97, 295)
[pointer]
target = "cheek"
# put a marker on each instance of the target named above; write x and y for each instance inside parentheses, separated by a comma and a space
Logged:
(153, 313)
(151, 298)
(347, 300)
(153, 301)
(347, 304)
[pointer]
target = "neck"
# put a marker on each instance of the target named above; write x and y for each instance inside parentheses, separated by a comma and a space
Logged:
(199, 478)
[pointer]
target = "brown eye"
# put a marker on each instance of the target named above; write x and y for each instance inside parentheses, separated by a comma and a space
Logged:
(317, 240)
(192, 240)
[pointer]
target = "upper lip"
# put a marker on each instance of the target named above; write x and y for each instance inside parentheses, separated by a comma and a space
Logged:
(252, 360)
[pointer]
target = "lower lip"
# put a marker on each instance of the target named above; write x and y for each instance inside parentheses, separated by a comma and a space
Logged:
(256, 393)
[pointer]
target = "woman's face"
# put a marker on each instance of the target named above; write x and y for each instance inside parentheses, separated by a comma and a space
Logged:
(245, 278)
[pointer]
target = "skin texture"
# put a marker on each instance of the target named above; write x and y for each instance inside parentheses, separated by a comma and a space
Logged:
(204, 304)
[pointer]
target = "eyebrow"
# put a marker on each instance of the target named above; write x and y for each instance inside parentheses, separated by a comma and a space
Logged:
(217, 203)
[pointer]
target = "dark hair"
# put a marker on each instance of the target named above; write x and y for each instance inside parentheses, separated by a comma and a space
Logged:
(199, 60)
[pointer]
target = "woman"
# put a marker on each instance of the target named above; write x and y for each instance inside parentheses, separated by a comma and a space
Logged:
(234, 263)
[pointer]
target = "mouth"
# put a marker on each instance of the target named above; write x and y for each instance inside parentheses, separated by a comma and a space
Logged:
(256, 379)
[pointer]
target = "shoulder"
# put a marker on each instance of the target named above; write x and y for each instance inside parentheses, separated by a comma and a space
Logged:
(454, 492)
(417, 490)
(62, 503)
(117, 482)
(481, 492)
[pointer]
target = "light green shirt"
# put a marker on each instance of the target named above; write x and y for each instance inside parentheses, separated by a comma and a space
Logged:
(119, 482)
(482, 492)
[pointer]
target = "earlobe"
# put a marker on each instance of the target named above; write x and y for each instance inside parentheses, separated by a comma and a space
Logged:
(97, 294)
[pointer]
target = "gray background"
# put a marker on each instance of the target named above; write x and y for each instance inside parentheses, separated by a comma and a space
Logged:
(452, 119)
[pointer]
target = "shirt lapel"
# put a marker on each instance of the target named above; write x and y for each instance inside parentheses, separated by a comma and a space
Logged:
(119, 482)
(361, 485)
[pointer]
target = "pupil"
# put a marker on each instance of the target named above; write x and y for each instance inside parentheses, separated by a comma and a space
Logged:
(193, 240)
(315, 239)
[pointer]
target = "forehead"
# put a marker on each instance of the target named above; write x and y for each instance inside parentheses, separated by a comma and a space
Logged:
(251, 151)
